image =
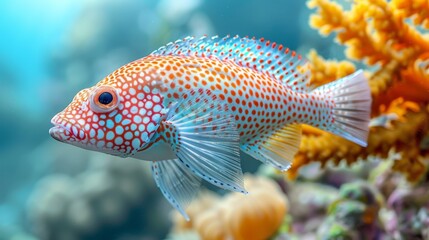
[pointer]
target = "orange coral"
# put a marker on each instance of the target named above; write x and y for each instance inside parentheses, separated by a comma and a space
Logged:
(373, 30)
(205, 200)
(404, 138)
(210, 224)
(260, 215)
(418, 9)
(377, 33)
(410, 82)
(257, 215)
(324, 71)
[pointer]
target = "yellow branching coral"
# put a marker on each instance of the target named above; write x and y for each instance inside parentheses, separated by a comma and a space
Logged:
(324, 71)
(373, 30)
(377, 33)
(404, 138)
(257, 215)
(332, 17)
(418, 9)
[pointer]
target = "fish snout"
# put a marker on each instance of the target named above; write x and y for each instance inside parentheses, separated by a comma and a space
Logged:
(57, 133)
(65, 130)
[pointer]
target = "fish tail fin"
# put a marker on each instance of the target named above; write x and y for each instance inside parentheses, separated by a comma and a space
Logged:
(350, 115)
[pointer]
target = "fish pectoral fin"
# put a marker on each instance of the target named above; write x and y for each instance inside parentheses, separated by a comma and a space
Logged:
(176, 182)
(204, 137)
(278, 149)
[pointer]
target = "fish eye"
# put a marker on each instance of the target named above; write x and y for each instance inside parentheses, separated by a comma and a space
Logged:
(104, 99)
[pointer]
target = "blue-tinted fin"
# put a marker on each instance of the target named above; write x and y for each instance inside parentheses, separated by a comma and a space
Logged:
(384, 120)
(352, 107)
(178, 184)
(204, 136)
(261, 55)
(278, 149)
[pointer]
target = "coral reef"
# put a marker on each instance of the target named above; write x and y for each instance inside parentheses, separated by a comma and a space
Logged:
(409, 212)
(358, 204)
(256, 215)
(381, 35)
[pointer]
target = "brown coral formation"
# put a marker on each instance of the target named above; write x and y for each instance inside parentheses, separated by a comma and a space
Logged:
(380, 34)
(256, 215)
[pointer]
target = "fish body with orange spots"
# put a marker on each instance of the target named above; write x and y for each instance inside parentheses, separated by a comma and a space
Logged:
(192, 106)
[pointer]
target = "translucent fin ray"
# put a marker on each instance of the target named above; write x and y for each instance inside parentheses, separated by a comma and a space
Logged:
(204, 136)
(352, 107)
(176, 182)
(261, 55)
(278, 149)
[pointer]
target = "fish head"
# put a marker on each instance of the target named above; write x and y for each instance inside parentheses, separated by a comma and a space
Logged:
(118, 116)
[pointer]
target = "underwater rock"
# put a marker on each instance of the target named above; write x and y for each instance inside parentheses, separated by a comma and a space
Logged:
(332, 230)
(410, 212)
(363, 192)
(97, 203)
(349, 219)
(356, 211)
(385, 179)
(310, 200)
(354, 215)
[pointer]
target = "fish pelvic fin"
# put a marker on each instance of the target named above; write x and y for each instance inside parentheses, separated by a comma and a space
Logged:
(205, 139)
(351, 101)
(177, 183)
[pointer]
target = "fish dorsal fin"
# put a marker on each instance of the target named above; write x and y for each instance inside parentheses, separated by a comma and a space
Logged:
(261, 55)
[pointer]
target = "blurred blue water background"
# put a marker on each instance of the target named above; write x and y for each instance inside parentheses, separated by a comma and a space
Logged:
(49, 50)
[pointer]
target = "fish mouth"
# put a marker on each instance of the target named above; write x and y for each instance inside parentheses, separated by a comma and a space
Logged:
(57, 133)
(64, 131)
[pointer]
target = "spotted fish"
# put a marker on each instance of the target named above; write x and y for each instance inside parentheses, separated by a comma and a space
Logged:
(191, 107)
